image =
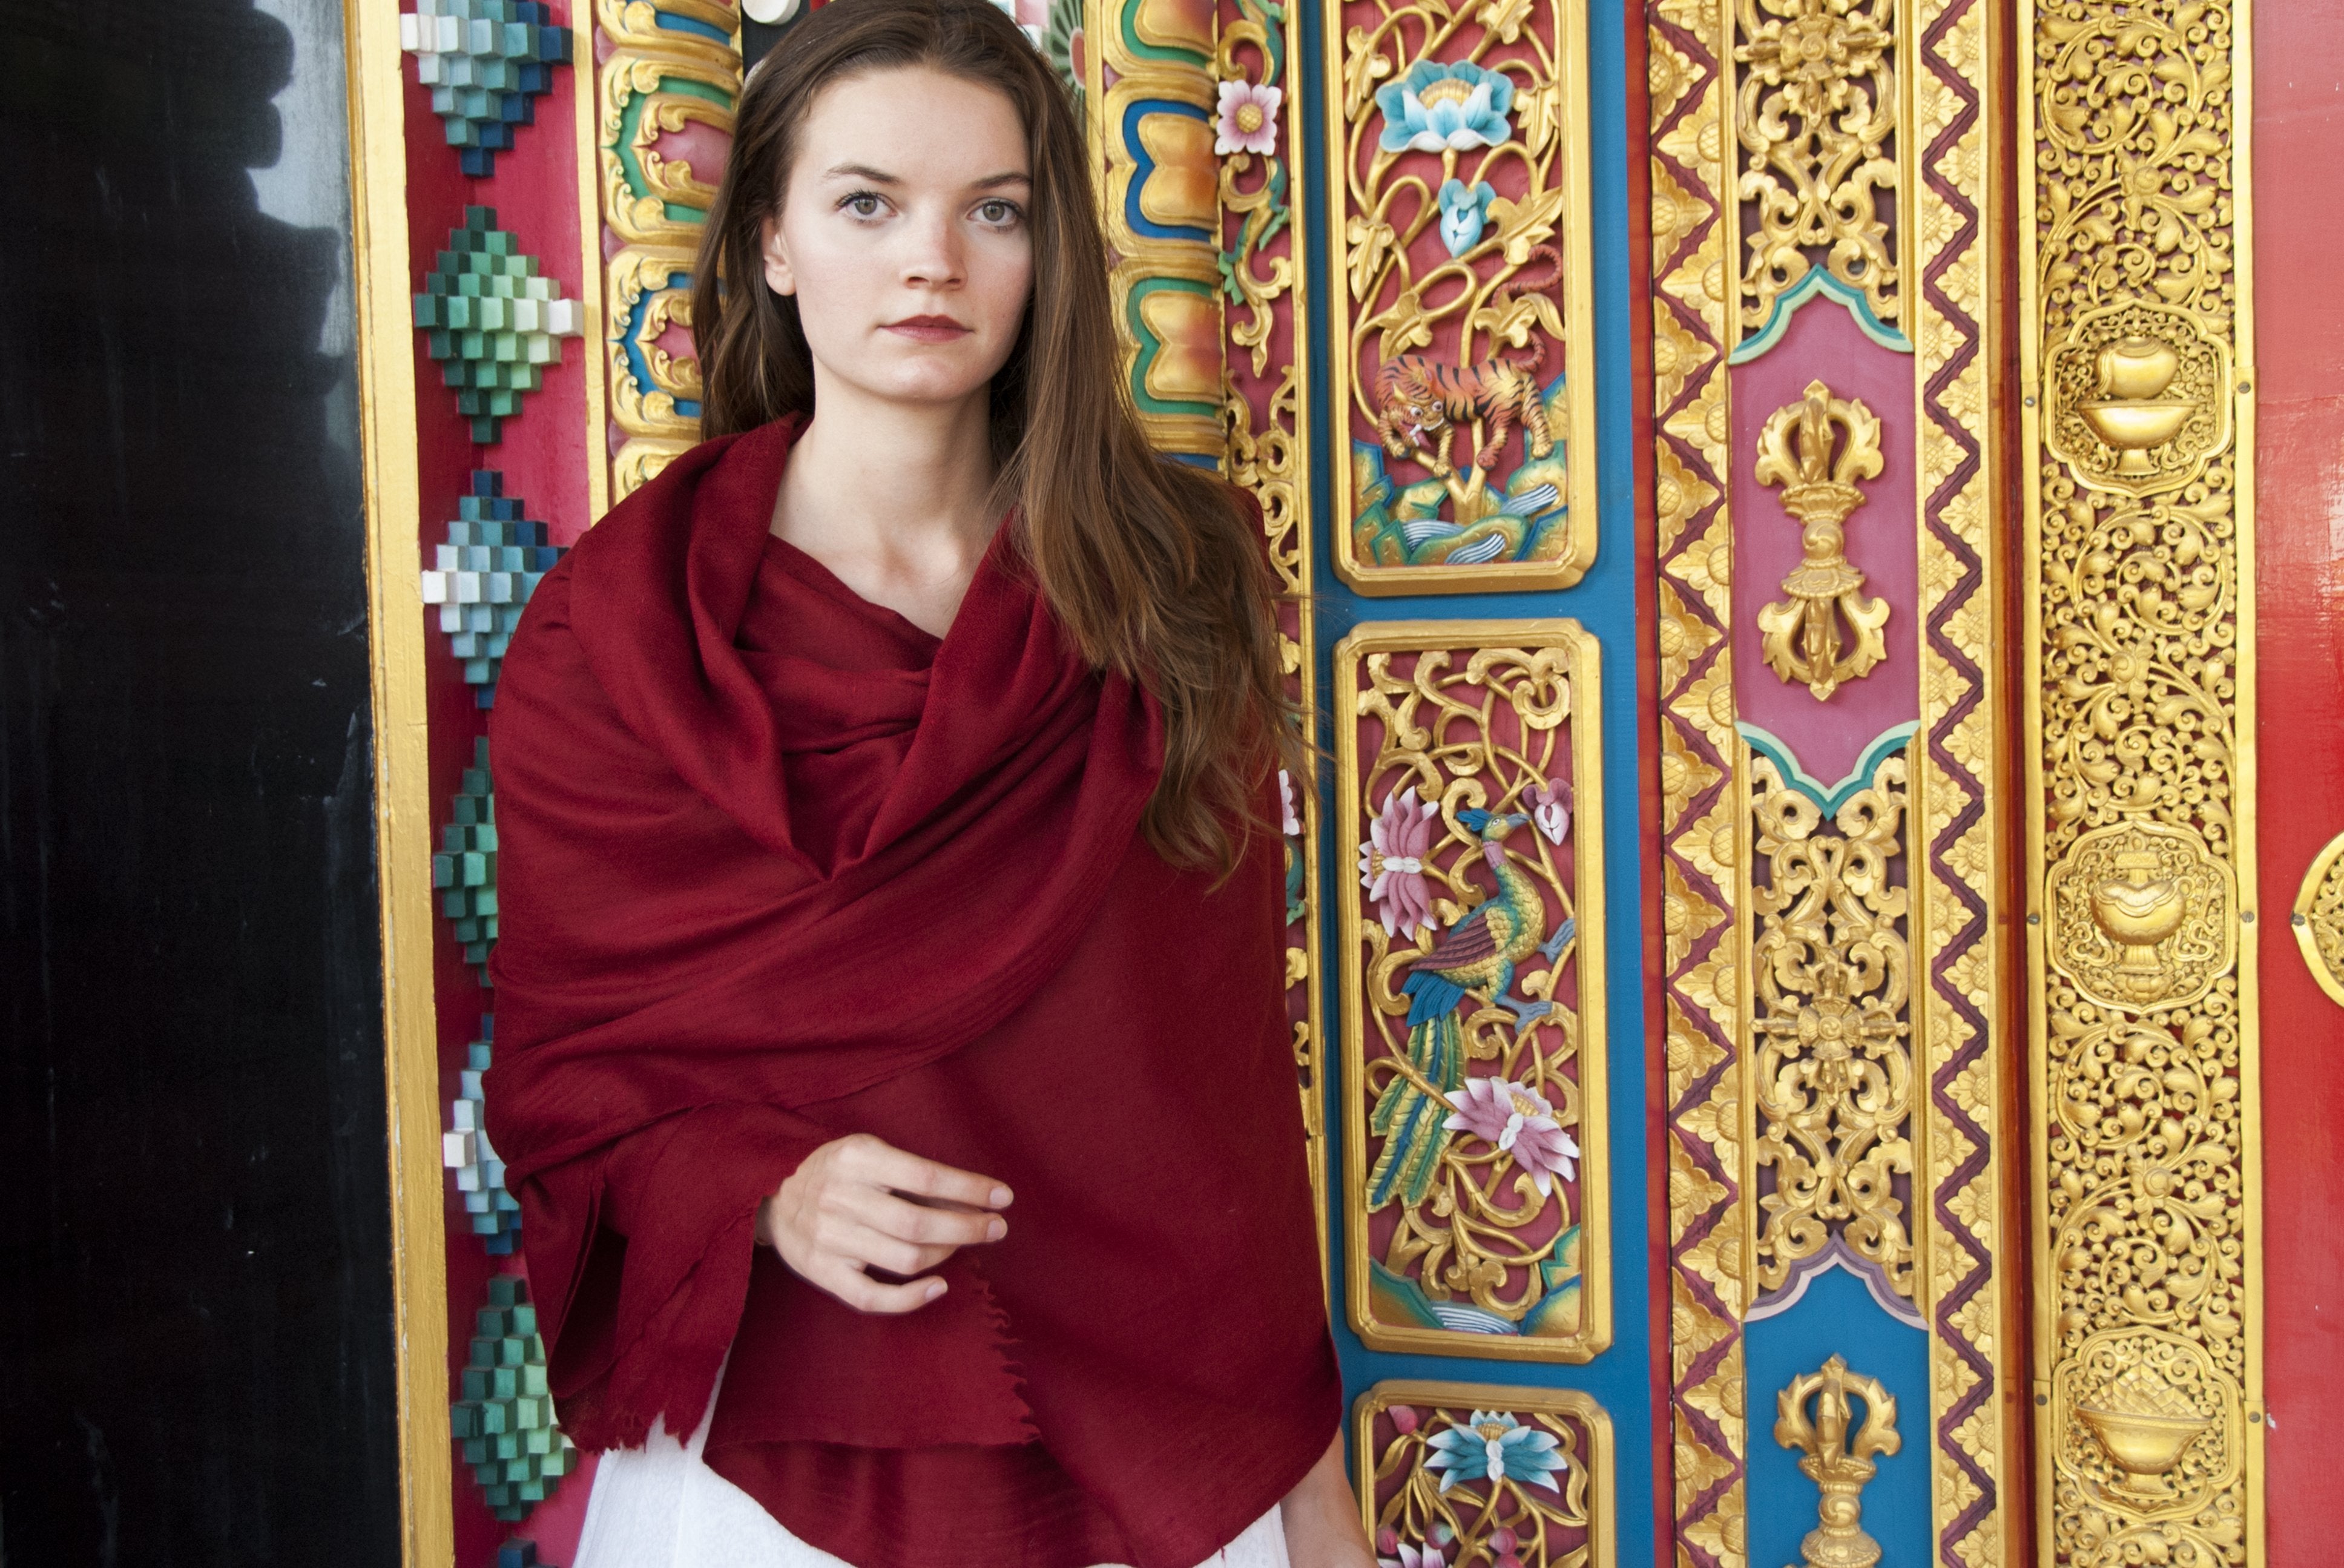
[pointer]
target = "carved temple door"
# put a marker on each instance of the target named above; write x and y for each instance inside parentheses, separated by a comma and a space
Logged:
(1778, 977)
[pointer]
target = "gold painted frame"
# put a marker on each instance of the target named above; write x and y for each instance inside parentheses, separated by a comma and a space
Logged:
(2062, 794)
(1573, 1404)
(395, 643)
(2314, 917)
(1569, 37)
(1582, 659)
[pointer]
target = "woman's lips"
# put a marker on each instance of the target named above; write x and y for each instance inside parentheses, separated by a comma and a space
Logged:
(929, 328)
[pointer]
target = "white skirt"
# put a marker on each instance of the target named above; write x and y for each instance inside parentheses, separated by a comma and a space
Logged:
(660, 1506)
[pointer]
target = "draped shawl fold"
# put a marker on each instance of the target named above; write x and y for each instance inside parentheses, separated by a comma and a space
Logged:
(777, 865)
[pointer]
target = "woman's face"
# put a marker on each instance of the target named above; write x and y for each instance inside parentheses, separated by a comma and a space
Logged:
(903, 235)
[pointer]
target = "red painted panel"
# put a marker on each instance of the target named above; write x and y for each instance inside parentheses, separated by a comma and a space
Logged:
(2298, 125)
(542, 455)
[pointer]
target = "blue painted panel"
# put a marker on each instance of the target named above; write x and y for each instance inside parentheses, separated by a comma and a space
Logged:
(1838, 1316)
(1623, 1377)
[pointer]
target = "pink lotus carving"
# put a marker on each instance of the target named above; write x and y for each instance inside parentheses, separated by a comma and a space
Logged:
(1517, 1119)
(1391, 863)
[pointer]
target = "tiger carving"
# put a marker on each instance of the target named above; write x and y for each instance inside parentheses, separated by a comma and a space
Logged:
(1419, 396)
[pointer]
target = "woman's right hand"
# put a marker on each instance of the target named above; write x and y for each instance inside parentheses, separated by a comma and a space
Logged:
(858, 1202)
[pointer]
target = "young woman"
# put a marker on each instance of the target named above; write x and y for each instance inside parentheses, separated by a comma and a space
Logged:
(887, 792)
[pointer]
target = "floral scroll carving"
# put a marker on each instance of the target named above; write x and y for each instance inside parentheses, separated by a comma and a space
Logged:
(1817, 122)
(1833, 1068)
(1459, 1473)
(2318, 919)
(2138, 531)
(1462, 294)
(1472, 982)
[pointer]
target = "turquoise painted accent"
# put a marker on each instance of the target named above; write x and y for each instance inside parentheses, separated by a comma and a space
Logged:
(1786, 305)
(675, 24)
(1829, 798)
(1448, 124)
(631, 343)
(1464, 213)
(1149, 347)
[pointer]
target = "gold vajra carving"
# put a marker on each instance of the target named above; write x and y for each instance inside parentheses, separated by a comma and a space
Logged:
(2138, 535)
(1467, 1473)
(1475, 1156)
(1838, 1460)
(1834, 1067)
(1816, 113)
(2320, 918)
(1796, 449)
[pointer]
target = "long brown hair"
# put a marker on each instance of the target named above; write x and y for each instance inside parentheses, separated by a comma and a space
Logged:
(1155, 569)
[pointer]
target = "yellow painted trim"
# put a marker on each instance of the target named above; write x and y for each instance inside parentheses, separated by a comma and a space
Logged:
(395, 633)
(583, 77)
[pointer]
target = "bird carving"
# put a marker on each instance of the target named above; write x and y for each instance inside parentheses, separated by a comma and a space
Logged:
(1476, 957)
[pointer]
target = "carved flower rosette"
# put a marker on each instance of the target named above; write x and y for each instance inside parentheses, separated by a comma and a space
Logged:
(1455, 1473)
(1474, 1151)
(1461, 293)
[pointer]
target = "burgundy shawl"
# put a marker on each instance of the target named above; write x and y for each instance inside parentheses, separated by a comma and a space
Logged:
(777, 865)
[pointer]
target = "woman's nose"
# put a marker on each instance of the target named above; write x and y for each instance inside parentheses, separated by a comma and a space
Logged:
(934, 254)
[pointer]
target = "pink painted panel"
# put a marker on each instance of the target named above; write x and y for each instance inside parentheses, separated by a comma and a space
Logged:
(1824, 343)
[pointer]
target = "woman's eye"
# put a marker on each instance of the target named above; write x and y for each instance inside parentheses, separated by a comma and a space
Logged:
(861, 203)
(998, 212)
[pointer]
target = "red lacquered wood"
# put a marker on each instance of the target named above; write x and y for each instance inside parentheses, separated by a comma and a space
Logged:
(543, 456)
(2298, 233)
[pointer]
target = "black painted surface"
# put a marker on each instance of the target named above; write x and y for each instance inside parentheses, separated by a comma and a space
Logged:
(194, 1302)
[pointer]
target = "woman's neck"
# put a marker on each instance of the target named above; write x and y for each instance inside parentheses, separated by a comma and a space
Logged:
(893, 500)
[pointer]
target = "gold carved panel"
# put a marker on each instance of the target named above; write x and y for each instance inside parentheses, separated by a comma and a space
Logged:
(1468, 787)
(1467, 1473)
(1461, 315)
(1847, 150)
(2136, 338)
(1833, 1088)
(1817, 107)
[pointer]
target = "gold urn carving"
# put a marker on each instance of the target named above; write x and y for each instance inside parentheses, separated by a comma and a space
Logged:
(2132, 415)
(1840, 1456)
(2138, 399)
(2141, 915)
(2151, 1432)
(1798, 449)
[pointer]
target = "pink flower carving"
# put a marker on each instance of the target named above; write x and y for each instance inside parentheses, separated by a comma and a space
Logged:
(1517, 1119)
(1407, 1555)
(1551, 808)
(1293, 822)
(1247, 122)
(1391, 863)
